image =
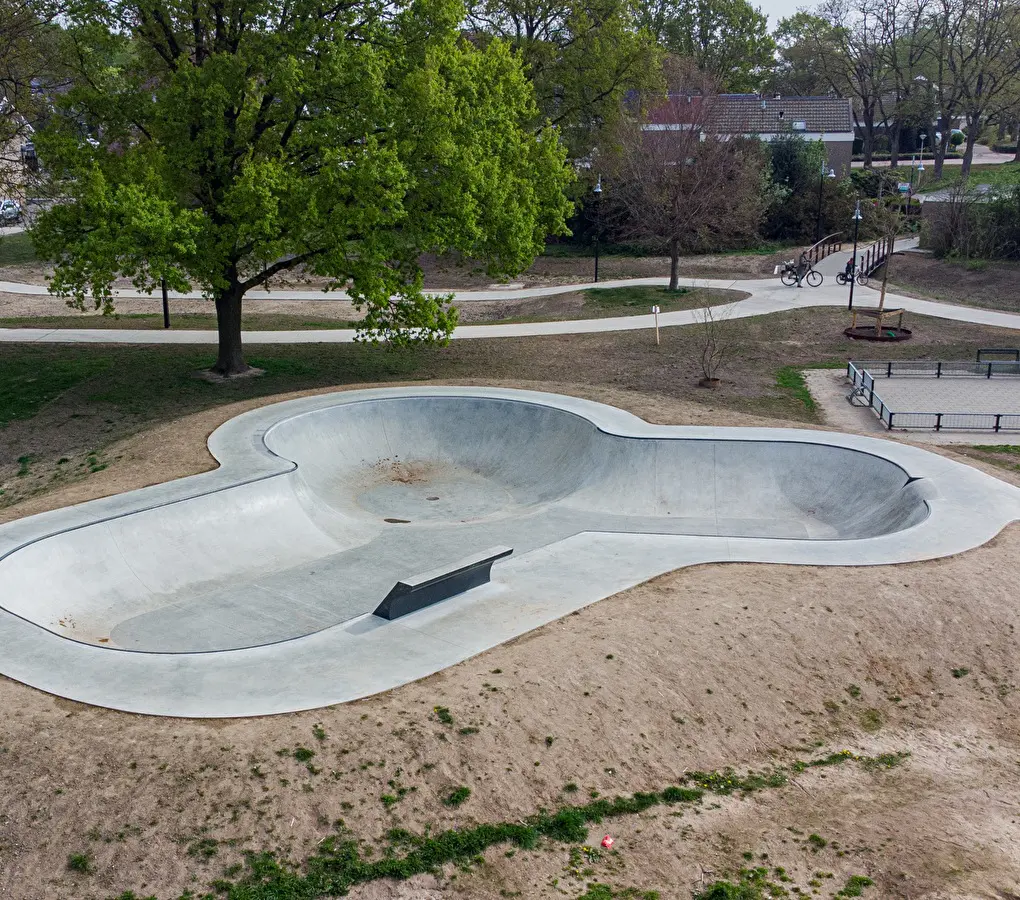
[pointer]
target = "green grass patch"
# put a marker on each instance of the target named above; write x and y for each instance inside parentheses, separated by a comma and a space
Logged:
(791, 379)
(29, 381)
(1011, 449)
(642, 297)
(80, 863)
(16, 250)
(457, 796)
(339, 863)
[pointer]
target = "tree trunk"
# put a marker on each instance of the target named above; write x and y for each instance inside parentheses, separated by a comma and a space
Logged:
(230, 360)
(1001, 133)
(674, 264)
(891, 239)
(894, 143)
(868, 147)
(968, 153)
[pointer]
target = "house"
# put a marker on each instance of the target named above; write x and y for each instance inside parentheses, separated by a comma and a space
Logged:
(829, 119)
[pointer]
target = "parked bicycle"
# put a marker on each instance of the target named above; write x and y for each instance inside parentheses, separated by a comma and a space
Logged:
(788, 275)
(845, 276)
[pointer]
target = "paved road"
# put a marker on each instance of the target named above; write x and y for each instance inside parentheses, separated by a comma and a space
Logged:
(983, 156)
(767, 295)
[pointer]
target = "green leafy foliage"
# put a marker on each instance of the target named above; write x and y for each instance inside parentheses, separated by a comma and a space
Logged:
(235, 143)
(582, 58)
(727, 40)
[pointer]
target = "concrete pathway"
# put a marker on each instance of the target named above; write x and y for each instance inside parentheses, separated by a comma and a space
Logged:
(767, 295)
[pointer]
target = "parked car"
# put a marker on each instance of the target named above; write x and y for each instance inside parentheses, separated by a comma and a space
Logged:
(10, 212)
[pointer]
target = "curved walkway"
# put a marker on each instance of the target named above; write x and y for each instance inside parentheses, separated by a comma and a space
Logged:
(767, 295)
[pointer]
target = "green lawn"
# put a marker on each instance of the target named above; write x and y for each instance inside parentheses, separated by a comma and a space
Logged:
(16, 250)
(630, 300)
(1001, 174)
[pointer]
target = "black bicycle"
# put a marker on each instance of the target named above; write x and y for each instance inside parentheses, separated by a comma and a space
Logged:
(788, 275)
(844, 278)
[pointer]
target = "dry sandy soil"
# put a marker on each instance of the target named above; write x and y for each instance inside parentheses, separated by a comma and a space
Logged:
(716, 666)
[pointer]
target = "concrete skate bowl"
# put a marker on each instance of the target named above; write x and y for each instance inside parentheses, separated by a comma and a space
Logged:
(250, 589)
(454, 461)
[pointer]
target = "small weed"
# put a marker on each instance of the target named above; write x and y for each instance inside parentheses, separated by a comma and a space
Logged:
(570, 788)
(468, 730)
(457, 797)
(206, 848)
(960, 673)
(25, 465)
(80, 863)
(318, 732)
(854, 691)
(871, 719)
(443, 714)
(855, 886)
(817, 842)
(549, 740)
(303, 754)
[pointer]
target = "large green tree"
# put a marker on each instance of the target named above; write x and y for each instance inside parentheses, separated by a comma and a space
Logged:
(583, 57)
(804, 40)
(728, 40)
(220, 144)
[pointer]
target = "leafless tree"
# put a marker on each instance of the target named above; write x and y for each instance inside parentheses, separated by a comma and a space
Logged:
(714, 342)
(681, 185)
(976, 54)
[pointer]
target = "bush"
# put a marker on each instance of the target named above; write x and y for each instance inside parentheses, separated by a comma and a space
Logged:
(1004, 148)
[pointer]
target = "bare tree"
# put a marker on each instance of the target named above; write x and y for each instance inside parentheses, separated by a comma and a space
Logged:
(859, 66)
(714, 342)
(976, 54)
(681, 185)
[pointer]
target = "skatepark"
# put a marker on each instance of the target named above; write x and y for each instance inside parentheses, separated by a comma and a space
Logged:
(218, 595)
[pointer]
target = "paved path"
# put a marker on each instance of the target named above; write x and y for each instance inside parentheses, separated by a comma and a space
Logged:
(983, 156)
(767, 295)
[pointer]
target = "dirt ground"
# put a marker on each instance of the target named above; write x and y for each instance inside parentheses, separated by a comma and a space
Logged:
(455, 272)
(270, 315)
(992, 284)
(724, 665)
(73, 437)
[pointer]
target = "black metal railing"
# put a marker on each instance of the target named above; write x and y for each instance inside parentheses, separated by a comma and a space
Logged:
(862, 374)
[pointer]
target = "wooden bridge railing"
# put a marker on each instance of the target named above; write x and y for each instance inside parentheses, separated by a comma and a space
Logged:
(833, 243)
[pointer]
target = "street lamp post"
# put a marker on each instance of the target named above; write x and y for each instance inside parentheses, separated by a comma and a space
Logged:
(597, 191)
(853, 277)
(821, 182)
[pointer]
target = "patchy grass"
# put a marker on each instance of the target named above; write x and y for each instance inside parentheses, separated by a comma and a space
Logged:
(16, 250)
(340, 862)
(29, 381)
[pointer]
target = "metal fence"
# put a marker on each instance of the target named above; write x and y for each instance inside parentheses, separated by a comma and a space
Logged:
(862, 375)
(923, 368)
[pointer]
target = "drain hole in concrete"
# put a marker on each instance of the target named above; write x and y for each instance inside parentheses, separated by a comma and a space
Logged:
(431, 498)
(398, 521)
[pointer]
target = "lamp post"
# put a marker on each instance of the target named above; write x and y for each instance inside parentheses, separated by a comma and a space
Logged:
(853, 277)
(597, 191)
(821, 182)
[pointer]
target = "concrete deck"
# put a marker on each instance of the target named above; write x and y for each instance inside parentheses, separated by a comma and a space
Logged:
(248, 590)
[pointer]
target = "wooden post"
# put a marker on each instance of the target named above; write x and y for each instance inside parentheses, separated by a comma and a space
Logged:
(655, 312)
